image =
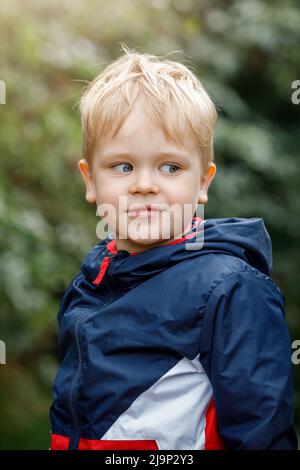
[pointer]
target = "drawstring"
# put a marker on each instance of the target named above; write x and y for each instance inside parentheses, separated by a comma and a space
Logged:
(104, 265)
(111, 247)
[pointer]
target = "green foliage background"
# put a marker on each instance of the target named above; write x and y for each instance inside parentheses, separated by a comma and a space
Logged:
(247, 55)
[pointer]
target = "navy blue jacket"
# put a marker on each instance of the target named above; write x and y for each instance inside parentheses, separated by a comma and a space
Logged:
(182, 346)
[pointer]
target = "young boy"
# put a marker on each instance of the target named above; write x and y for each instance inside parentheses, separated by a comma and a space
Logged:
(167, 343)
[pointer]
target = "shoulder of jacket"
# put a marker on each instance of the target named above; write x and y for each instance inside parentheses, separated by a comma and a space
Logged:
(245, 271)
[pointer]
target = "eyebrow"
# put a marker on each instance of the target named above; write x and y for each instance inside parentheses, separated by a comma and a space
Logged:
(160, 154)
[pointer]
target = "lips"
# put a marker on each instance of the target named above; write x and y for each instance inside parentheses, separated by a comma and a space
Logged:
(144, 207)
(143, 213)
(144, 210)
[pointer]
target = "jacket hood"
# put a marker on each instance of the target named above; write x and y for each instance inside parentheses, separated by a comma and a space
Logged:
(245, 238)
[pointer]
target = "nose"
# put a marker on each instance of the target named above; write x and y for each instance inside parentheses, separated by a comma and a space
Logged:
(144, 183)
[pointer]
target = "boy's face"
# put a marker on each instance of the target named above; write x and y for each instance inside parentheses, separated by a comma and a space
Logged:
(153, 172)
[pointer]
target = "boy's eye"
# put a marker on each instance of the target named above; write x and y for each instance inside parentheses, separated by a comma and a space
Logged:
(172, 167)
(128, 167)
(123, 164)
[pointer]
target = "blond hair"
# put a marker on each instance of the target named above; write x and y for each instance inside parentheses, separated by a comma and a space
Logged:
(176, 100)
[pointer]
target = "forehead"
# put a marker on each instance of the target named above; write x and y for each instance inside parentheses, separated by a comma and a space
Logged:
(140, 133)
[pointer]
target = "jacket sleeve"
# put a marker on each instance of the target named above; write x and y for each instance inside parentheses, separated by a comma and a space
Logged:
(246, 353)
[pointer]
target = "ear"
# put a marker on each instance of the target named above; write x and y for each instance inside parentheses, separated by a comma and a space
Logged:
(205, 183)
(83, 167)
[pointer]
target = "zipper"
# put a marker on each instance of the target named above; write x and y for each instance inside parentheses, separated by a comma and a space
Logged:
(75, 435)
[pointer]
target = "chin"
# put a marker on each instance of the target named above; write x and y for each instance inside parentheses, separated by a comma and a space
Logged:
(145, 242)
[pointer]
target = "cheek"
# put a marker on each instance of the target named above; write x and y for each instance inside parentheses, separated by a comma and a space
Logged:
(183, 193)
(112, 194)
(107, 192)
